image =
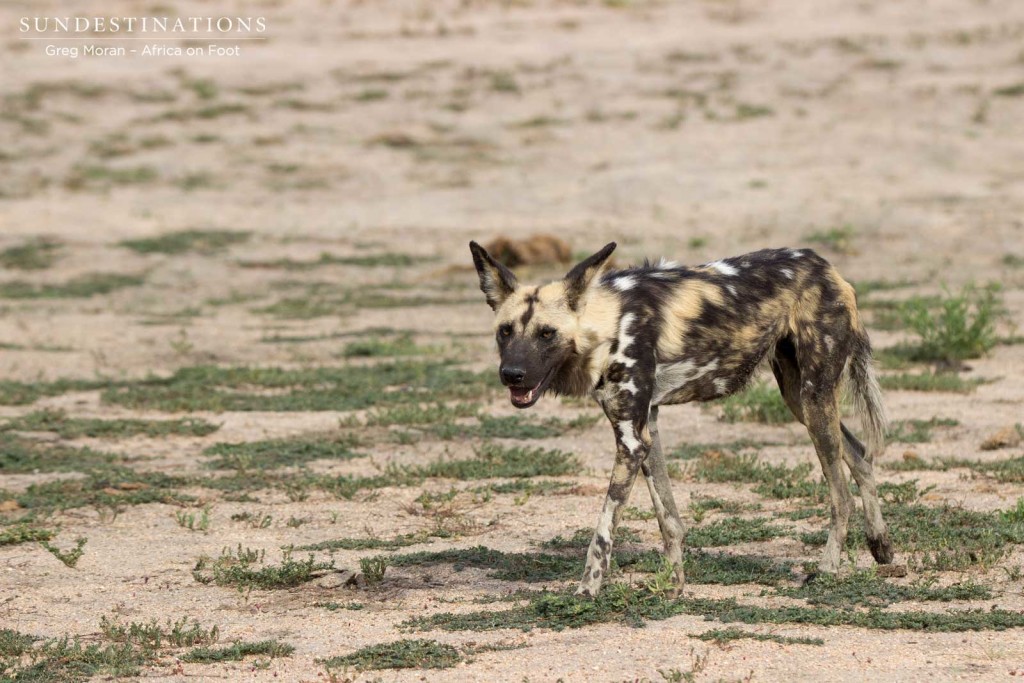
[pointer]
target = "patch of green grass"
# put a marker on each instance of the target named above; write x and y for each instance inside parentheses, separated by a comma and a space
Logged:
(699, 506)
(23, 393)
(50, 420)
(632, 605)
(23, 533)
(701, 568)
(180, 633)
(865, 588)
(773, 481)
(1006, 471)
(211, 388)
(1012, 260)
(529, 567)
(69, 660)
(19, 455)
(395, 543)
(382, 259)
(752, 111)
(440, 420)
(209, 112)
(400, 654)
(1016, 90)
(838, 239)
(419, 414)
(375, 347)
(183, 241)
(318, 303)
(952, 621)
(36, 254)
(244, 569)
(866, 287)
(105, 488)
(917, 431)
(77, 288)
(274, 453)
(761, 402)
(927, 381)
(95, 177)
(371, 95)
(943, 538)
(14, 644)
(504, 82)
(733, 530)
(721, 636)
(962, 326)
(334, 606)
(301, 308)
(690, 451)
(494, 461)
(238, 651)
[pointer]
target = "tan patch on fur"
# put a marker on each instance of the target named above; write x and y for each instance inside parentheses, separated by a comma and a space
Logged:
(684, 306)
(848, 297)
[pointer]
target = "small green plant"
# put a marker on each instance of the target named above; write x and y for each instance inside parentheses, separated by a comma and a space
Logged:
(962, 326)
(192, 522)
(71, 557)
(240, 568)
(254, 520)
(373, 569)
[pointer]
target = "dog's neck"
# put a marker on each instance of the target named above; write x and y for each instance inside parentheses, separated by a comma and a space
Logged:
(597, 330)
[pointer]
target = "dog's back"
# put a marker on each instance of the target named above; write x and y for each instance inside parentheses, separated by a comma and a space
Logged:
(712, 325)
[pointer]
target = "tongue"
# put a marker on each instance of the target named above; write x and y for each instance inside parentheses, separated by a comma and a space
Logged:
(521, 396)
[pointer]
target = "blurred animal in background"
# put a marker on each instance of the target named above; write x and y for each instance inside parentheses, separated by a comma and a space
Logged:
(536, 250)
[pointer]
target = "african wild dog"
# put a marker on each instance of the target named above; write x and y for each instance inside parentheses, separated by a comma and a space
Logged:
(659, 334)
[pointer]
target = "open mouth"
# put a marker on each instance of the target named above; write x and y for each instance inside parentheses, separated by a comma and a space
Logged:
(524, 397)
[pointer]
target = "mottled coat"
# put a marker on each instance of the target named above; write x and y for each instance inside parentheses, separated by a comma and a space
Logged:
(660, 334)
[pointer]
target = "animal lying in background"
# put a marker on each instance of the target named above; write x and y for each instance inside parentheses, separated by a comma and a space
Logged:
(659, 334)
(535, 250)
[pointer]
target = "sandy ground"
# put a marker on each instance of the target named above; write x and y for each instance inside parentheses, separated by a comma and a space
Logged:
(693, 130)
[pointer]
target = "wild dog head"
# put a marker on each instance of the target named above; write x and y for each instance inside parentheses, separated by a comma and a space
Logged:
(537, 328)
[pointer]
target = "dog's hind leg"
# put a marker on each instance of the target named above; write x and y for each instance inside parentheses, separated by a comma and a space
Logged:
(863, 473)
(656, 473)
(787, 374)
(821, 414)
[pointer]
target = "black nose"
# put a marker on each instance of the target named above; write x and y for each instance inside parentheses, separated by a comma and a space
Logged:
(512, 375)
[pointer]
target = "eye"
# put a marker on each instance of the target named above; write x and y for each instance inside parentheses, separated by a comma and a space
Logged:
(548, 333)
(505, 330)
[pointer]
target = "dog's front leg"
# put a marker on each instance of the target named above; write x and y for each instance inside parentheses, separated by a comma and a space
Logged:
(633, 442)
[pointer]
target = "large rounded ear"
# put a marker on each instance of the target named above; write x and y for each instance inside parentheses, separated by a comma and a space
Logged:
(579, 278)
(496, 281)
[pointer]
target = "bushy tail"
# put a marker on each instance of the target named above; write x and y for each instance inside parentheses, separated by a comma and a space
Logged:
(867, 397)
